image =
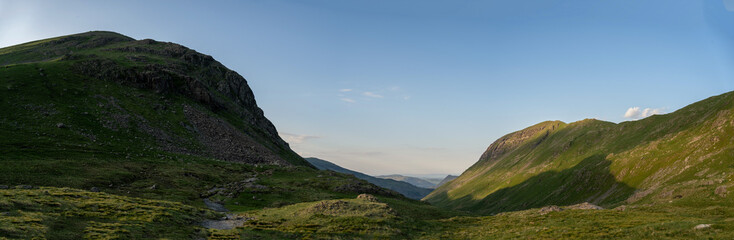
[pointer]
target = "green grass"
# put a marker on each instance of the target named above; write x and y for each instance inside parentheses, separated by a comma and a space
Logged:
(664, 169)
(66, 213)
(685, 153)
(664, 221)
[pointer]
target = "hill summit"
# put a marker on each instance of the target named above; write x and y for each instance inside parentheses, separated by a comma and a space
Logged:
(685, 155)
(99, 89)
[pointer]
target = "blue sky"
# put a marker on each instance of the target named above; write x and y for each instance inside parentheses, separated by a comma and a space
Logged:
(417, 87)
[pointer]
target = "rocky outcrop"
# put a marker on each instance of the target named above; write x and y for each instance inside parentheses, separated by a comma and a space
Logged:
(513, 140)
(238, 129)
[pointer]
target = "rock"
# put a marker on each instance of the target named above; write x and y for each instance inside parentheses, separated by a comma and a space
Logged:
(553, 208)
(721, 191)
(60, 125)
(621, 208)
(94, 189)
(25, 187)
(585, 206)
(154, 187)
(4, 187)
(367, 197)
(702, 226)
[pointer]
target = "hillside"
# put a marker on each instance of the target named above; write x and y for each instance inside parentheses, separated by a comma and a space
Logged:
(104, 92)
(104, 136)
(684, 156)
(404, 188)
(107, 137)
(418, 182)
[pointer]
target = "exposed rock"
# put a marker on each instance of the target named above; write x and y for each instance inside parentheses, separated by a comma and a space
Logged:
(585, 206)
(60, 125)
(621, 208)
(721, 191)
(226, 142)
(547, 209)
(154, 187)
(94, 189)
(4, 187)
(702, 226)
(367, 197)
(25, 187)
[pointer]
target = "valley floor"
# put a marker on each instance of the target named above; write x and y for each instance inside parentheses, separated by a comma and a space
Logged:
(65, 213)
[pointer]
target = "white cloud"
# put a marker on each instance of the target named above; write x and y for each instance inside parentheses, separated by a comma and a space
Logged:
(349, 100)
(632, 112)
(636, 113)
(372, 95)
(345, 90)
(295, 138)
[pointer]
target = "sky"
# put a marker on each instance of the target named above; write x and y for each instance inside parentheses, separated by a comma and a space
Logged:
(424, 87)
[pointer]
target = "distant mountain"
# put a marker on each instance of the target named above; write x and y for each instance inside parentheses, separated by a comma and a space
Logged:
(404, 188)
(418, 182)
(446, 179)
(684, 156)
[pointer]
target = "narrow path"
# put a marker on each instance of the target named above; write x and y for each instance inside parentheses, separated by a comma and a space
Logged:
(228, 222)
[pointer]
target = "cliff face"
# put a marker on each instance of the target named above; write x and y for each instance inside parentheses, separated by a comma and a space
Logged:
(230, 126)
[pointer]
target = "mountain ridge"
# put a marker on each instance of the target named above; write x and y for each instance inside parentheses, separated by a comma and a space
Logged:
(538, 165)
(407, 189)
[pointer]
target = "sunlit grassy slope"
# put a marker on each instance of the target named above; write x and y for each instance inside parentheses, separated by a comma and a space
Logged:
(662, 158)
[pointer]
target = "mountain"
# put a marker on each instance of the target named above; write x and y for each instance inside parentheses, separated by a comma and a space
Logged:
(418, 182)
(404, 188)
(107, 137)
(105, 92)
(684, 156)
(446, 179)
(103, 136)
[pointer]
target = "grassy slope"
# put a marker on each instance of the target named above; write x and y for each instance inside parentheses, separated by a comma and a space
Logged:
(101, 146)
(404, 188)
(658, 159)
(65, 213)
(147, 192)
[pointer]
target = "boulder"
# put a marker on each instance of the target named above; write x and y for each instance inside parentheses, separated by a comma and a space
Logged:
(702, 226)
(547, 209)
(367, 197)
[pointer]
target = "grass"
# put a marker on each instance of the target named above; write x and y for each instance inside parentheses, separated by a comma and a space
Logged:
(685, 153)
(667, 171)
(664, 221)
(66, 213)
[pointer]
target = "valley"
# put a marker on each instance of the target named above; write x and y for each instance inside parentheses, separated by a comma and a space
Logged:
(107, 137)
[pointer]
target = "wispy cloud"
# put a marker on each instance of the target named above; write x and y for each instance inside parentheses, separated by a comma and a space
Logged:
(295, 138)
(372, 95)
(349, 100)
(637, 113)
(345, 90)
